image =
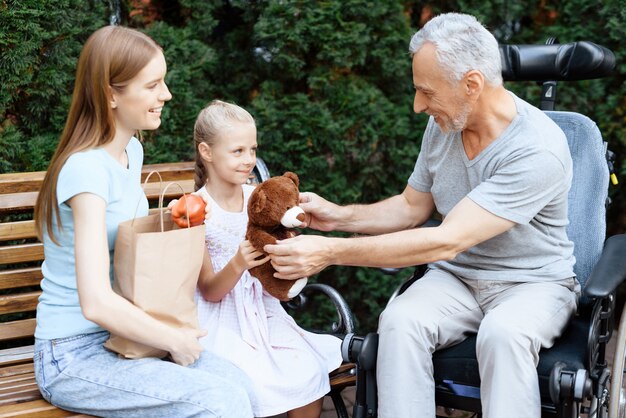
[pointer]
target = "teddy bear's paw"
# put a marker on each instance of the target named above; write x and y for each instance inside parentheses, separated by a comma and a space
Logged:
(297, 287)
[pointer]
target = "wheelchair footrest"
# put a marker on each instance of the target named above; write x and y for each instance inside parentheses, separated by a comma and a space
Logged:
(460, 389)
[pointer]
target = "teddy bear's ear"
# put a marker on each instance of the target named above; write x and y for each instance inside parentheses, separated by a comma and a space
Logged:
(293, 177)
(257, 204)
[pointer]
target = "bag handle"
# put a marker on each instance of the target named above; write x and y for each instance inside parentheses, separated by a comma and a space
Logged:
(145, 182)
(161, 203)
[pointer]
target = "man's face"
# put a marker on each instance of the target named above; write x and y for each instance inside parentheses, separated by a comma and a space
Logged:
(436, 95)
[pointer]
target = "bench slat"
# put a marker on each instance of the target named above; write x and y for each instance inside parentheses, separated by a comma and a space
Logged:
(21, 182)
(31, 181)
(30, 393)
(21, 253)
(17, 230)
(24, 387)
(36, 409)
(343, 376)
(16, 370)
(16, 381)
(11, 279)
(26, 229)
(19, 202)
(170, 171)
(17, 329)
(20, 302)
(16, 355)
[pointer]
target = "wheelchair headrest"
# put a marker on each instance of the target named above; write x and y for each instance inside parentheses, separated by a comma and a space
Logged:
(574, 61)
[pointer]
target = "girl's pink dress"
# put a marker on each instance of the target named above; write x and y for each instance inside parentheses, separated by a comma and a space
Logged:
(288, 365)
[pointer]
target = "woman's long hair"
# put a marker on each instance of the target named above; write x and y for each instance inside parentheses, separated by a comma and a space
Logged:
(109, 60)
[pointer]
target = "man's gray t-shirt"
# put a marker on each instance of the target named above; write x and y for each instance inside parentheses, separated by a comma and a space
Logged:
(523, 176)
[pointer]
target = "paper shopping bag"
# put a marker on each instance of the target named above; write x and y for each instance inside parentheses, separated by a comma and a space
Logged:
(156, 267)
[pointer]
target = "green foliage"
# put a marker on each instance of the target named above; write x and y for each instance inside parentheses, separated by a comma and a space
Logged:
(328, 82)
(39, 46)
(191, 65)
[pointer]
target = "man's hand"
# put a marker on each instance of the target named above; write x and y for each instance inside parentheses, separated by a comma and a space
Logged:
(302, 256)
(319, 213)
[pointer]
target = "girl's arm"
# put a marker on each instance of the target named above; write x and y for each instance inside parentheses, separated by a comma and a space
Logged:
(214, 286)
(98, 301)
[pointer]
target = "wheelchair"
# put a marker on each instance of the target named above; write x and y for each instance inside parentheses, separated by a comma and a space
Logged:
(574, 376)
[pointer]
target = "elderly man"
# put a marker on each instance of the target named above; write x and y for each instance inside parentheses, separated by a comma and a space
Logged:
(498, 170)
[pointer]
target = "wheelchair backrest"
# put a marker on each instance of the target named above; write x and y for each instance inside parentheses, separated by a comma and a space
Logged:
(588, 196)
(589, 191)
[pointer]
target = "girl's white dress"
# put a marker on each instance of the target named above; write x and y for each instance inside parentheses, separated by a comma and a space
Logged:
(288, 365)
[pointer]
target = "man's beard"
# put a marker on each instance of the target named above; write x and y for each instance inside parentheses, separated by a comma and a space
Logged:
(458, 122)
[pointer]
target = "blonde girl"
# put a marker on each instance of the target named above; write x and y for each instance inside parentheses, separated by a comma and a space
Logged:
(288, 366)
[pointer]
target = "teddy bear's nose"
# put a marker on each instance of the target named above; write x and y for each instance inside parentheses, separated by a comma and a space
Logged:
(293, 218)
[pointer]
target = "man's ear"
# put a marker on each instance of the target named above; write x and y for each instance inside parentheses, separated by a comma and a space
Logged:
(473, 83)
(205, 152)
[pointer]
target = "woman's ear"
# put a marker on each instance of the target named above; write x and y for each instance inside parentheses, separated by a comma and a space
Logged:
(205, 152)
(112, 100)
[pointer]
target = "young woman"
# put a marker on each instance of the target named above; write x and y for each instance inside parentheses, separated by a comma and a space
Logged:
(93, 183)
(288, 366)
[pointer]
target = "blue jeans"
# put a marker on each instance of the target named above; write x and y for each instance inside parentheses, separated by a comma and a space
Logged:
(78, 374)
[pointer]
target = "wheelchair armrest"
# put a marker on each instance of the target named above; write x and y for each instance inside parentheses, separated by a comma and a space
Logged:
(573, 61)
(610, 270)
(345, 324)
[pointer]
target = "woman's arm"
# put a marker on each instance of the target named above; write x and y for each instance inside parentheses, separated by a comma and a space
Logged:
(98, 301)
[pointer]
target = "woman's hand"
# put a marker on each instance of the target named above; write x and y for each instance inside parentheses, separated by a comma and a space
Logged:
(247, 257)
(187, 349)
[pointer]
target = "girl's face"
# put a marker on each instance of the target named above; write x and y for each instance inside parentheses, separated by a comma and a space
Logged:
(138, 106)
(233, 155)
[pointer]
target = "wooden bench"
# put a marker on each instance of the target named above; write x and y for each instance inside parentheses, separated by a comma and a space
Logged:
(21, 255)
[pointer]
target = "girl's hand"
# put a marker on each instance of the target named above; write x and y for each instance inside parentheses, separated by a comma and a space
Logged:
(247, 257)
(187, 349)
(171, 204)
(207, 208)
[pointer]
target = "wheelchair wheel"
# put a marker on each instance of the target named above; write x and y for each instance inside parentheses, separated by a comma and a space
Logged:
(617, 392)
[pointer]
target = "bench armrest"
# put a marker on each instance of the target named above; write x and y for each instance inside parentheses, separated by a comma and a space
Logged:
(610, 271)
(345, 319)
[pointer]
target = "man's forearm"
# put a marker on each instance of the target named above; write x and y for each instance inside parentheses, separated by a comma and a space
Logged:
(397, 249)
(390, 215)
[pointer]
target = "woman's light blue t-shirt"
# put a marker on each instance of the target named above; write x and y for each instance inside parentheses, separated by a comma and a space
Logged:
(93, 171)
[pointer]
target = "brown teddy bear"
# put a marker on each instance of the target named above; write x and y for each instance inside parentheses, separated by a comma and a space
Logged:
(273, 212)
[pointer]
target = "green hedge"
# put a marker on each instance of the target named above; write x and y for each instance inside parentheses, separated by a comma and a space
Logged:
(328, 82)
